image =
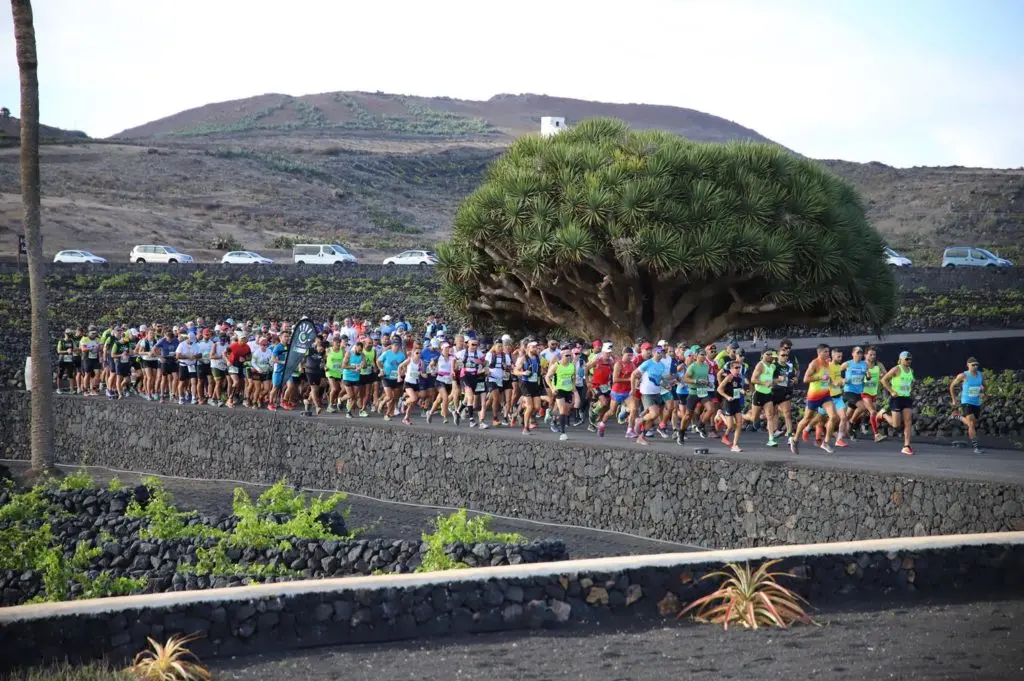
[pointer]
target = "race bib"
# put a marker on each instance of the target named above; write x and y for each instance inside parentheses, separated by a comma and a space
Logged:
(974, 391)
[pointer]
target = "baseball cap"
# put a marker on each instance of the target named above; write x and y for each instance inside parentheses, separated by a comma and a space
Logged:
(905, 355)
(645, 346)
(733, 345)
(607, 347)
(663, 344)
(531, 344)
(596, 344)
(386, 318)
(506, 338)
(67, 331)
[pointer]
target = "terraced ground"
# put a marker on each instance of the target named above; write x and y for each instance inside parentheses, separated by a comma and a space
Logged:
(381, 172)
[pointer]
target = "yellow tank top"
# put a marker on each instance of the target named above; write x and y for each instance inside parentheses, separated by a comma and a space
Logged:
(835, 374)
(821, 381)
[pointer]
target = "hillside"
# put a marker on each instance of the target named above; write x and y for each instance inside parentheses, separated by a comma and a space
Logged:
(381, 172)
(10, 132)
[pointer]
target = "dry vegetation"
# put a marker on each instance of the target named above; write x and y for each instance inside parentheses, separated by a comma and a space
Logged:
(381, 172)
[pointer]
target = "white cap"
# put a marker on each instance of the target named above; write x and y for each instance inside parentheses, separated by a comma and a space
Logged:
(143, 328)
(663, 344)
(607, 347)
(506, 338)
(386, 318)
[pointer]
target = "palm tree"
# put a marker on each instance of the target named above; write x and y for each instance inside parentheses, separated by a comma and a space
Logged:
(613, 233)
(42, 392)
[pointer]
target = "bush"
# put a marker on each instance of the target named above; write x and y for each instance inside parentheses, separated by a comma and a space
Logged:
(224, 243)
(460, 528)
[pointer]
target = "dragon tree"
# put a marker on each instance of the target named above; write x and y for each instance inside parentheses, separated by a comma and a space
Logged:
(612, 233)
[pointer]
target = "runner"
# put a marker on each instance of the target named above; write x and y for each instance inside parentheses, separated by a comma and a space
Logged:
(855, 371)
(66, 361)
(444, 370)
(279, 355)
(649, 379)
(561, 381)
(261, 372)
(389, 363)
(528, 372)
(819, 396)
(621, 391)
(352, 377)
(601, 365)
(899, 382)
(763, 380)
(313, 369)
(410, 370)
(972, 392)
(498, 363)
(782, 391)
(334, 361)
(471, 368)
(698, 378)
(731, 389)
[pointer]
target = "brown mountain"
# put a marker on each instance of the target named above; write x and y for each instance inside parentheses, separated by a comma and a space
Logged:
(10, 132)
(379, 172)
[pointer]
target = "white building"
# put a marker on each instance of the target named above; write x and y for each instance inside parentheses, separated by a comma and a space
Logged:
(551, 125)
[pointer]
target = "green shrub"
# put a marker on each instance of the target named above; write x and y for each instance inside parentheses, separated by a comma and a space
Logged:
(455, 528)
(80, 479)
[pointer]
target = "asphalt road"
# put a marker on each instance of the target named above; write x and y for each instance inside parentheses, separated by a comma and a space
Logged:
(896, 339)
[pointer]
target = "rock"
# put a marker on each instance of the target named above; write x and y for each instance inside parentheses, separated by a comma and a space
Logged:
(669, 605)
(597, 596)
(561, 611)
(323, 612)
(633, 594)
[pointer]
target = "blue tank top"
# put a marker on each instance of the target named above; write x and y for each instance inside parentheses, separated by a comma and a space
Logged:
(348, 374)
(682, 387)
(531, 364)
(854, 377)
(970, 392)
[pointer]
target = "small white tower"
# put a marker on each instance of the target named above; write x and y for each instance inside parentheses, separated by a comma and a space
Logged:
(551, 125)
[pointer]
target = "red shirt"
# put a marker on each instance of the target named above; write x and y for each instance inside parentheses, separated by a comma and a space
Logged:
(625, 372)
(238, 352)
(603, 371)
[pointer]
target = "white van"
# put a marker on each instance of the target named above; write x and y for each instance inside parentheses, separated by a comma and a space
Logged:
(321, 254)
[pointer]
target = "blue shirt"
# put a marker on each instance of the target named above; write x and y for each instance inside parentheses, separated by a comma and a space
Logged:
(854, 378)
(429, 355)
(166, 347)
(653, 372)
(403, 326)
(386, 329)
(970, 393)
(391, 360)
(280, 351)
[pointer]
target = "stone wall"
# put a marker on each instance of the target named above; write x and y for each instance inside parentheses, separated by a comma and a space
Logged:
(271, 617)
(702, 501)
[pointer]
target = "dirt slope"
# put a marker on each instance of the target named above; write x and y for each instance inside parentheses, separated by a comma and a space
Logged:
(380, 172)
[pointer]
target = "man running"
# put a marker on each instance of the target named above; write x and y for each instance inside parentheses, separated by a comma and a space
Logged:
(819, 396)
(972, 391)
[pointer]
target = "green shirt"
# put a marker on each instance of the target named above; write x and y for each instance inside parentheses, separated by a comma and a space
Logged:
(699, 373)
(766, 379)
(335, 362)
(903, 382)
(565, 376)
(871, 380)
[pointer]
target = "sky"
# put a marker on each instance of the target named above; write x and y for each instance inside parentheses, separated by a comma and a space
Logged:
(903, 82)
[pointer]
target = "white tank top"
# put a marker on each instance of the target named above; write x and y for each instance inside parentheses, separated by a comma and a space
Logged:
(444, 369)
(412, 371)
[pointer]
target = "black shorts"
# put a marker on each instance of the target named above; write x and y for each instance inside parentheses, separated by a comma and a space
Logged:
(530, 389)
(65, 369)
(426, 382)
(314, 377)
(415, 387)
(150, 364)
(352, 384)
(692, 400)
(184, 374)
(649, 401)
(367, 379)
(733, 407)
(91, 365)
(469, 381)
(257, 376)
(898, 404)
(603, 390)
(391, 383)
(566, 395)
(203, 370)
(169, 367)
(781, 394)
(124, 369)
(493, 387)
(297, 379)
(761, 399)
(443, 385)
(970, 410)
(851, 399)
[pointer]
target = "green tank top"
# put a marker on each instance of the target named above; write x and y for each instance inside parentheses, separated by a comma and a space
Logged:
(821, 381)
(565, 376)
(766, 379)
(335, 361)
(871, 380)
(369, 361)
(903, 382)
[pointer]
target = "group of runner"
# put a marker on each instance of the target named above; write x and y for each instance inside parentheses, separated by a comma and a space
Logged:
(669, 390)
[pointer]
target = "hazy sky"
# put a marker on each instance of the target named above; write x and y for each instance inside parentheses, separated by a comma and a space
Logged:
(906, 82)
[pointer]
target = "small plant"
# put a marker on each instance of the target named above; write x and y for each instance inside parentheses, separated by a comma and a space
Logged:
(750, 599)
(115, 485)
(171, 661)
(455, 528)
(77, 480)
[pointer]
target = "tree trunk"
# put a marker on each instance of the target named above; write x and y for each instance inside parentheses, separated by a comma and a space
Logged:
(43, 458)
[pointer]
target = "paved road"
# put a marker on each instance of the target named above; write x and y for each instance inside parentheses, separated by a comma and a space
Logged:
(929, 459)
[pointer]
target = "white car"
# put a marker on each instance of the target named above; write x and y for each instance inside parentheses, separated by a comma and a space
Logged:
(164, 254)
(321, 254)
(78, 256)
(412, 258)
(895, 259)
(245, 258)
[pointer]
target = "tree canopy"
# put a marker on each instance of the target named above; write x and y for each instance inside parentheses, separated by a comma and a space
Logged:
(613, 233)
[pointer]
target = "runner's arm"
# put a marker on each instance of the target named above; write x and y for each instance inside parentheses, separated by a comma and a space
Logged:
(886, 380)
(957, 380)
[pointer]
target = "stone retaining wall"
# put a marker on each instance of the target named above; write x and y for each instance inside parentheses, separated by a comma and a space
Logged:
(702, 501)
(278, 617)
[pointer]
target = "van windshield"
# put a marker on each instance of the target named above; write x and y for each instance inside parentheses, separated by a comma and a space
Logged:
(340, 250)
(987, 253)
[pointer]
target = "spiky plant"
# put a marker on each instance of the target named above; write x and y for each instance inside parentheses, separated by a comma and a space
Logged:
(613, 233)
(170, 661)
(750, 599)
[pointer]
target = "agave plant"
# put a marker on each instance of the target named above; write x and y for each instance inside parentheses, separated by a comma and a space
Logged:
(749, 598)
(171, 661)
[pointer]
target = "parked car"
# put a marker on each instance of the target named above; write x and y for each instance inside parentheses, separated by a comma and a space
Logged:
(78, 256)
(969, 256)
(245, 258)
(321, 254)
(894, 259)
(164, 254)
(412, 258)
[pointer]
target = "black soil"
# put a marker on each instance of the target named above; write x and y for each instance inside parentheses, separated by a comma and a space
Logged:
(391, 520)
(976, 641)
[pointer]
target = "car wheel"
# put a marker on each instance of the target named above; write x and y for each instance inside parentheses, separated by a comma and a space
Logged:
(949, 265)
(141, 261)
(172, 261)
(989, 265)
